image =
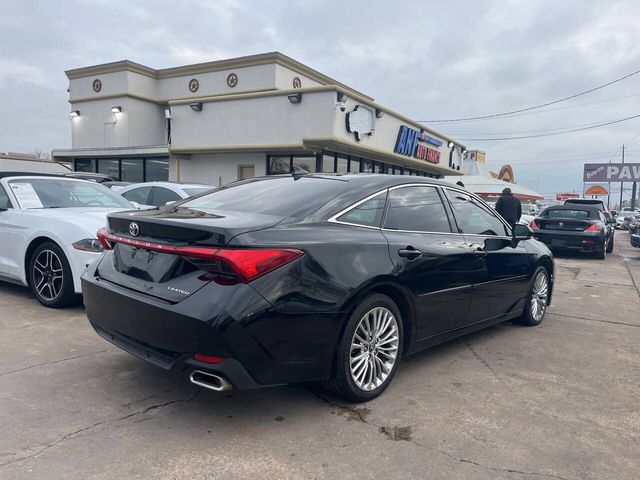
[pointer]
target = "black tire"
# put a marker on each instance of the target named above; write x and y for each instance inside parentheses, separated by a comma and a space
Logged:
(46, 264)
(528, 318)
(610, 245)
(342, 382)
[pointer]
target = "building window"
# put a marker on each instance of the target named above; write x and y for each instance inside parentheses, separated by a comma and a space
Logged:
(85, 165)
(329, 163)
(307, 164)
(109, 166)
(366, 166)
(156, 169)
(246, 171)
(279, 165)
(132, 170)
(342, 165)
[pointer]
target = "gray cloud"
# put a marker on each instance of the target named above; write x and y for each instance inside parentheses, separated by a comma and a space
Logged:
(427, 60)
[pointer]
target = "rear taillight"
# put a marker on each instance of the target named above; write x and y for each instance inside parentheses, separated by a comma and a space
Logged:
(533, 225)
(627, 219)
(245, 263)
(595, 228)
(102, 238)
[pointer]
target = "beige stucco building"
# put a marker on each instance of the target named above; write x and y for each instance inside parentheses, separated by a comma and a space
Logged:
(221, 121)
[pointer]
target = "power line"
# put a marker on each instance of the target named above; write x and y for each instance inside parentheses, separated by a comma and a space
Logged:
(566, 107)
(535, 106)
(549, 134)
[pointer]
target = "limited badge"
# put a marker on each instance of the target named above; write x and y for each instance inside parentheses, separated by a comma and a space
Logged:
(194, 85)
(297, 83)
(232, 80)
(97, 85)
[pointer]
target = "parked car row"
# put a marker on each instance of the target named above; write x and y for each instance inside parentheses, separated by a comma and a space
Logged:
(277, 279)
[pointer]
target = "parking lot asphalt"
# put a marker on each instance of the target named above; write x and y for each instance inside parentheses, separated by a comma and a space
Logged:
(561, 400)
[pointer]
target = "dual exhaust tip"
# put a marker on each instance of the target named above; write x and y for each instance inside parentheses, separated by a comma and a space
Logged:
(210, 381)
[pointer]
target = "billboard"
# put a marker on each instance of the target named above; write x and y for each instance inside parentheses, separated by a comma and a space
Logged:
(596, 190)
(611, 172)
(561, 197)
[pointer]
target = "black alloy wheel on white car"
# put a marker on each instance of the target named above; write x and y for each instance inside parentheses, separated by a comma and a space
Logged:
(50, 276)
(369, 351)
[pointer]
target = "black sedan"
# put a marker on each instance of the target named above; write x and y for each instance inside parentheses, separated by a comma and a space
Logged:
(575, 227)
(287, 279)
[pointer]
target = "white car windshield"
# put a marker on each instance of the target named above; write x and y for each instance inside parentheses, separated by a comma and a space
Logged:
(63, 193)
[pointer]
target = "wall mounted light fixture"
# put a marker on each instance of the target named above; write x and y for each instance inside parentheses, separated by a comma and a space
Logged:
(196, 107)
(379, 113)
(295, 98)
(116, 109)
(451, 144)
(74, 114)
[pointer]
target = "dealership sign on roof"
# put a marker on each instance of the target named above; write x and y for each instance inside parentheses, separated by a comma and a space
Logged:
(611, 172)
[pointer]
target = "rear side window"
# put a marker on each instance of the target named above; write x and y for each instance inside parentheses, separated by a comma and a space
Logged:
(368, 213)
(4, 198)
(163, 195)
(416, 209)
(139, 195)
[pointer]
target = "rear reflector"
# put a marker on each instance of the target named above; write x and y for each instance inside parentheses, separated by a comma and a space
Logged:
(533, 225)
(200, 357)
(594, 228)
(247, 263)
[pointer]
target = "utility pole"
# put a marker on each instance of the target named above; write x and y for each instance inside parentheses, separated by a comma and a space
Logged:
(621, 184)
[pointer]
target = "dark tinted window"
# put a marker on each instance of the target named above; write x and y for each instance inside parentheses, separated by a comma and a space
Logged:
(4, 198)
(163, 195)
(368, 213)
(157, 169)
(474, 218)
(287, 196)
(139, 195)
(418, 209)
(577, 214)
(132, 170)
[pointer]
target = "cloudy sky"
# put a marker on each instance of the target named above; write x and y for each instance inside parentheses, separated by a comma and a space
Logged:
(428, 60)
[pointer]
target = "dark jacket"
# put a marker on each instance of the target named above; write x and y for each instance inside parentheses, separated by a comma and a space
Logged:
(509, 207)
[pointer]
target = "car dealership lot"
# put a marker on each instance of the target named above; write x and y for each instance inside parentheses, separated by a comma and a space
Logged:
(557, 401)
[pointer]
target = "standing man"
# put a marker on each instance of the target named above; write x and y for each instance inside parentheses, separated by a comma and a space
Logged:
(509, 207)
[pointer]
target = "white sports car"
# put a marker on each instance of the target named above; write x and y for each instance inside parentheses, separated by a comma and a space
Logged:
(48, 228)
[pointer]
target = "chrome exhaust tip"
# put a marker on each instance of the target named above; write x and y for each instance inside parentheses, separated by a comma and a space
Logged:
(210, 381)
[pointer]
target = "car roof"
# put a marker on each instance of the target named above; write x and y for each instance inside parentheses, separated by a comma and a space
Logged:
(575, 206)
(168, 184)
(30, 174)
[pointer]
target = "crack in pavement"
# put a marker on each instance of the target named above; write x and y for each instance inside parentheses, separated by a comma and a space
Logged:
(633, 280)
(58, 361)
(482, 360)
(388, 434)
(594, 320)
(104, 422)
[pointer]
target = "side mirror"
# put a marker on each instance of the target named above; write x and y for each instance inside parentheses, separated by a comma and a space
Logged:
(169, 202)
(611, 220)
(522, 232)
(135, 204)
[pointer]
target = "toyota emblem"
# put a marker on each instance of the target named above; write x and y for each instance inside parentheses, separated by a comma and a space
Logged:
(134, 229)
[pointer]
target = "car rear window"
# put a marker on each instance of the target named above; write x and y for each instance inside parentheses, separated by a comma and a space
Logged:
(282, 196)
(565, 213)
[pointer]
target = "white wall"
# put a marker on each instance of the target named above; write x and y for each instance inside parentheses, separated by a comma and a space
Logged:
(215, 169)
(253, 121)
(285, 76)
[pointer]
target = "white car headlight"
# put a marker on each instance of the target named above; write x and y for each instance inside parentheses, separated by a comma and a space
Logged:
(88, 245)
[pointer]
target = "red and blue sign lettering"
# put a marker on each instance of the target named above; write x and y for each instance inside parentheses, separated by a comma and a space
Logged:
(412, 143)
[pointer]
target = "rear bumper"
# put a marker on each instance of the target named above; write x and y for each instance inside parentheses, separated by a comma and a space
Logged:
(582, 241)
(260, 345)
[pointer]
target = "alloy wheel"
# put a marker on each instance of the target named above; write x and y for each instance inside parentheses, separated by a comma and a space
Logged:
(539, 296)
(48, 275)
(374, 348)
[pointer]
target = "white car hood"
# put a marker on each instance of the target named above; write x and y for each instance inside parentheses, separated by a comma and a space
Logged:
(90, 219)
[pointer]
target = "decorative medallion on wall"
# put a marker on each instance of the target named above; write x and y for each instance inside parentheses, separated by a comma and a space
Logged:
(194, 85)
(297, 83)
(232, 80)
(97, 85)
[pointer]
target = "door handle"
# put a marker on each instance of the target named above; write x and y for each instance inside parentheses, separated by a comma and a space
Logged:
(409, 252)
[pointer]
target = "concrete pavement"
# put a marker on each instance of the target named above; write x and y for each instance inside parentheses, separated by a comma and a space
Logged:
(557, 401)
